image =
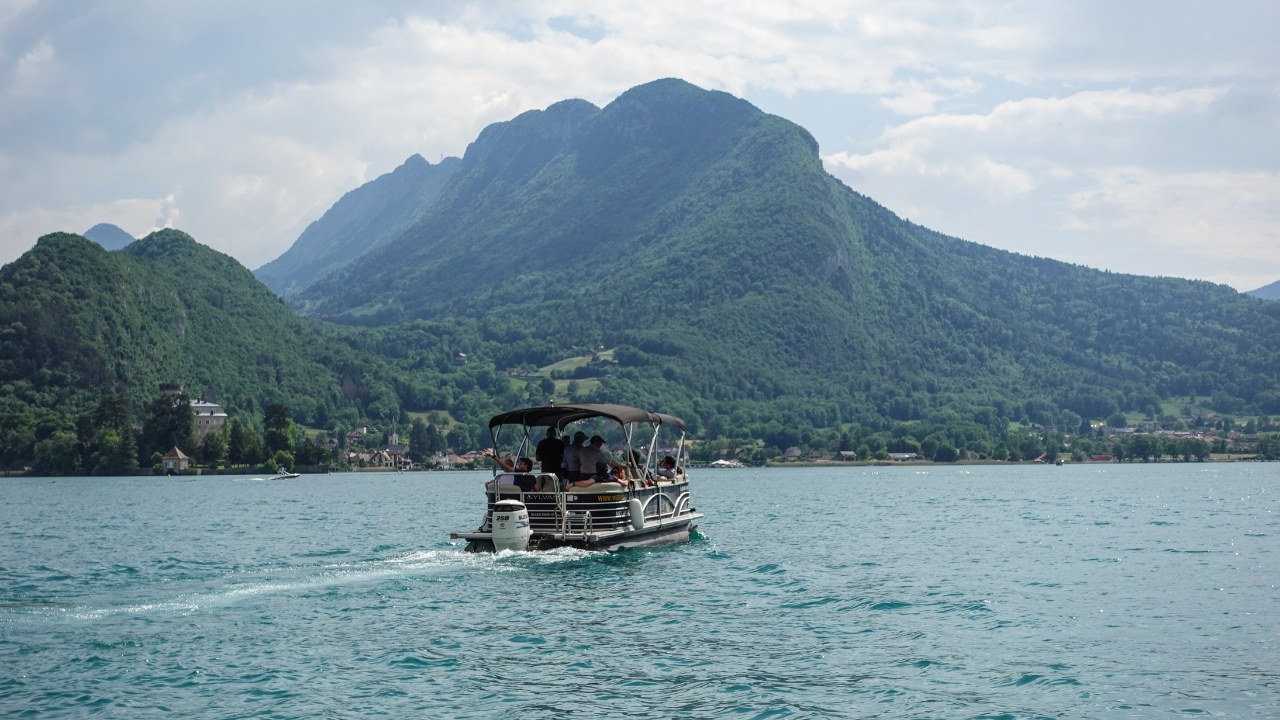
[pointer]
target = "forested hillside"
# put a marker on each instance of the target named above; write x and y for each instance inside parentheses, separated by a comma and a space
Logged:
(745, 287)
(78, 323)
(87, 338)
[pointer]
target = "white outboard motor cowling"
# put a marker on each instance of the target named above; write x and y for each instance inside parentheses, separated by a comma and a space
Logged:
(510, 525)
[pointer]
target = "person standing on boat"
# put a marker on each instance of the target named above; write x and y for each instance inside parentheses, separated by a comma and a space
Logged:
(550, 453)
(572, 465)
(595, 452)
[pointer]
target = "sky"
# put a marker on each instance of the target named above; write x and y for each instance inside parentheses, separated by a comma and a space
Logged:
(1139, 137)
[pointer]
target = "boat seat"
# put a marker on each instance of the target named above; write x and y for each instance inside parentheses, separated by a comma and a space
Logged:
(510, 482)
(609, 487)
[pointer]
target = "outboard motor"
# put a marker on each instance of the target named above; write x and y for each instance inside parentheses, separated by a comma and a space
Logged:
(510, 525)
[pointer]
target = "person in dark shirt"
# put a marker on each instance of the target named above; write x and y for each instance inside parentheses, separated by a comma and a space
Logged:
(519, 470)
(550, 453)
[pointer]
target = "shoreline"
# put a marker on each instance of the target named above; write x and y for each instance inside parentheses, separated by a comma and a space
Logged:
(200, 472)
(1028, 463)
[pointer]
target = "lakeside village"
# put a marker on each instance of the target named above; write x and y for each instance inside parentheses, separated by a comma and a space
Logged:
(181, 435)
(369, 449)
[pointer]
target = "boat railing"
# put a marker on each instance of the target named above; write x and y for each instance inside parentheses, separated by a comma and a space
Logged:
(581, 518)
(560, 511)
(662, 505)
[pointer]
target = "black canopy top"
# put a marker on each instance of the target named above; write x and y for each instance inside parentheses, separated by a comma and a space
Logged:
(558, 416)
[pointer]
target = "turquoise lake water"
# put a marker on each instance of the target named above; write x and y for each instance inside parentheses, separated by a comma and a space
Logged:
(1091, 591)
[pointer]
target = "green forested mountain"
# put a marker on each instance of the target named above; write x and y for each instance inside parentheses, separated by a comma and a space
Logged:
(364, 218)
(80, 320)
(78, 323)
(744, 286)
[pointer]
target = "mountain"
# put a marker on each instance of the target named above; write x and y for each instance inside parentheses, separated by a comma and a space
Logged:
(363, 219)
(79, 322)
(566, 196)
(108, 236)
(703, 239)
(1267, 292)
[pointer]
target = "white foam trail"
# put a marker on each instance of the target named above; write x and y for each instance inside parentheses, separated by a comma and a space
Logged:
(300, 579)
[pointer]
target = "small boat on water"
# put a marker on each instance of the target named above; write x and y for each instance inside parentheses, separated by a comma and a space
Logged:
(282, 474)
(727, 464)
(649, 505)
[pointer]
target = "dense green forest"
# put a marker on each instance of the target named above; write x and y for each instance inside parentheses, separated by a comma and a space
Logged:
(677, 249)
(89, 337)
(79, 325)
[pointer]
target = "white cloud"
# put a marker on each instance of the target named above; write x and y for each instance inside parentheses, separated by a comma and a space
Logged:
(1212, 215)
(1052, 129)
(1138, 181)
(31, 76)
(169, 213)
(133, 215)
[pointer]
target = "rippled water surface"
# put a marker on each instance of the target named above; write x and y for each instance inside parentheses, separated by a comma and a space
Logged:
(948, 592)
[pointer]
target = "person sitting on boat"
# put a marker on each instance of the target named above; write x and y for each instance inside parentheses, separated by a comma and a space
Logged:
(520, 471)
(603, 474)
(667, 469)
(635, 465)
(521, 465)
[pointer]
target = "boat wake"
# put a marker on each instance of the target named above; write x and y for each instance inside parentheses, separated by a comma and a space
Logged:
(301, 582)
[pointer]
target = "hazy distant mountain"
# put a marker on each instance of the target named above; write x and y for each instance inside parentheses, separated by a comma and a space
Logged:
(363, 219)
(1267, 292)
(109, 236)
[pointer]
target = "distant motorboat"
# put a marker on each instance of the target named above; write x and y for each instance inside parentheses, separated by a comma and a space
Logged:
(282, 474)
(726, 464)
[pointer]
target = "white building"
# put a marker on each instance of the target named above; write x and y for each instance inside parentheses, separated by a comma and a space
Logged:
(209, 417)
